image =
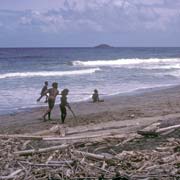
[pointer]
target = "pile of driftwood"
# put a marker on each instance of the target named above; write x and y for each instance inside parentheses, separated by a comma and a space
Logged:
(97, 157)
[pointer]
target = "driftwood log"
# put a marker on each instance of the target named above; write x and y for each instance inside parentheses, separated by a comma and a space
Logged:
(21, 136)
(153, 130)
(37, 151)
(12, 175)
(91, 155)
(161, 130)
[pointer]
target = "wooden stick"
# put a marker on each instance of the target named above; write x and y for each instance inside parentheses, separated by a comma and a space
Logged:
(104, 170)
(153, 131)
(167, 132)
(91, 155)
(61, 162)
(85, 94)
(12, 175)
(76, 137)
(168, 128)
(22, 136)
(44, 165)
(72, 113)
(33, 151)
(51, 156)
(72, 131)
(80, 129)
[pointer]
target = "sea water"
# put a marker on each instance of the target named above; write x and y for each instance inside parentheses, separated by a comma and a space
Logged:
(81, 70)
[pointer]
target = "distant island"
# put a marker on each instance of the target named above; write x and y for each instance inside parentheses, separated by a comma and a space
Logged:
(103, 46)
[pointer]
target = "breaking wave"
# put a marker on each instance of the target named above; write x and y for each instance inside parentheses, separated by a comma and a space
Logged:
(128, 63)
(48, 73)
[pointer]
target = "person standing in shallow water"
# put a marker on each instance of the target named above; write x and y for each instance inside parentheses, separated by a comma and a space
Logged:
(44, 89)
(64, 104)
(53, 92)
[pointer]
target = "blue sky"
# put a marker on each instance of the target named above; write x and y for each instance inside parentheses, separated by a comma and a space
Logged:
(46, 23)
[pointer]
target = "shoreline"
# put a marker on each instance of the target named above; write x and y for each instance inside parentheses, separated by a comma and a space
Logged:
(105, 97)
(156, 102)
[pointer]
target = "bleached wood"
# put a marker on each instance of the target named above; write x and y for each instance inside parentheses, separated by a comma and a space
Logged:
(33, 151)
(91, 155)
(12, 175)
(168, 128)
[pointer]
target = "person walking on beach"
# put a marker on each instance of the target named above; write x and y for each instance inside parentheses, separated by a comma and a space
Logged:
(64, 104)
(95, 97)
(43, 90)
(53, 92)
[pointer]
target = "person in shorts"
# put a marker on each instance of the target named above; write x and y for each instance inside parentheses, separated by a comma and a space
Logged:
(53, 92)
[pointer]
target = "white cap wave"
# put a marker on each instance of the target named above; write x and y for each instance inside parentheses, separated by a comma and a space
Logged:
(48, 73)
(168, 62)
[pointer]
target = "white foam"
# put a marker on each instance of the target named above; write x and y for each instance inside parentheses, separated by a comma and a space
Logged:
(164, 66)
(48, 73)
(174, 73)
(128, 63)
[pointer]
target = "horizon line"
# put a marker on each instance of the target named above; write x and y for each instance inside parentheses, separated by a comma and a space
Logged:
(94, 47)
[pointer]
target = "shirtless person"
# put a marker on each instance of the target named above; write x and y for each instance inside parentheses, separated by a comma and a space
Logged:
(95, 97)
(53, 92)
(44, 89)
(64, 104)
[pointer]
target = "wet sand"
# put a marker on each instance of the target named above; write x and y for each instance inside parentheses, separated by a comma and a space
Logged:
(115, 108)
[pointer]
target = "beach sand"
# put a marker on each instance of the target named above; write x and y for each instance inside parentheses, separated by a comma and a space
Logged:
(125, 108)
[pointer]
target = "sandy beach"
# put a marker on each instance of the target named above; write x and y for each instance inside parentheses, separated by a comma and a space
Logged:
(103, 133)
(130, 107)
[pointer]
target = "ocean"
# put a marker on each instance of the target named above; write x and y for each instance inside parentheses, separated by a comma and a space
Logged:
(81, 70)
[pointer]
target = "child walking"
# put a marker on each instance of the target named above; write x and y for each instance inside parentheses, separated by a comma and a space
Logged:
(43, 92)
(64, 104)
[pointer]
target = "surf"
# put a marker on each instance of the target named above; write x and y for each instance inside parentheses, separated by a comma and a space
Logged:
(48, 73)
(174, 62)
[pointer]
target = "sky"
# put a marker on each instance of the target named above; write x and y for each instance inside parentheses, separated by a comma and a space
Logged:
(79, 23)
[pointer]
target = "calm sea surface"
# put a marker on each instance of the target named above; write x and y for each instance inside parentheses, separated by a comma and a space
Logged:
(81, 70)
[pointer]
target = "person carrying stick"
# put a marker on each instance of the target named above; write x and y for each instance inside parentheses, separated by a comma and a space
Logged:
(64, 104)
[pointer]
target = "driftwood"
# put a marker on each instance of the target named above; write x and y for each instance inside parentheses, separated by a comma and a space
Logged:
(149, 130)
(21, 136)
(167, 132)
(152, 127)
(72, 131)
(79, 161)
(12, 175)
(148, 133)
(56, 129)
(51, 156)
(99, 168)
(154, 131)
(34, 151)
(104, 135)
(170, 158)
(91, 155)
(87, 156)
(47, 165)
(61, 162)
(168, 128)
